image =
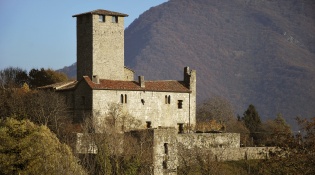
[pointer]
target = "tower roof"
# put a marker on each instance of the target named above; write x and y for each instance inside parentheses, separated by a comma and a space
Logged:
(102, 12)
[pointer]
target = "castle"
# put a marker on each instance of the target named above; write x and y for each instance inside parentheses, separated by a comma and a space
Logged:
(167, 109)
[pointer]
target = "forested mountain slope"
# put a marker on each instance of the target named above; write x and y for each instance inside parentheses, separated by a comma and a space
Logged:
(259, 52)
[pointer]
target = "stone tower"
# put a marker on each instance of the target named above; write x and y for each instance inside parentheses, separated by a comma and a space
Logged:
(100, 44)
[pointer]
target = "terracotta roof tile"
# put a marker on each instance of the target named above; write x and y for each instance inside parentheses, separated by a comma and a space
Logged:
(102, 12)
(165, 86)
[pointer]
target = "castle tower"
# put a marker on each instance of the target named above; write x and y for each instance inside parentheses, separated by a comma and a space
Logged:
(100, 44)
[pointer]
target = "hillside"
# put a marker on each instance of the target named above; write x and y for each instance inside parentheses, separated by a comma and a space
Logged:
(259, 52)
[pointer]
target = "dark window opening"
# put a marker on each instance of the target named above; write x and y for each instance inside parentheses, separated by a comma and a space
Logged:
(114, 19)
(101, 18)
(83, 100)
(121, 98)
(166, 148)
(148, 124)
(164, 165)
(167, 99)
(180, 127)
(180, 104)
(142, 101)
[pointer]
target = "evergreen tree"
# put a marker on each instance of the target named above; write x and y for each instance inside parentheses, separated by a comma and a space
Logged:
(252, 121)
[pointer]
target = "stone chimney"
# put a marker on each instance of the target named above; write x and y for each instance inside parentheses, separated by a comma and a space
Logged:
(96, 79)
(141, 81)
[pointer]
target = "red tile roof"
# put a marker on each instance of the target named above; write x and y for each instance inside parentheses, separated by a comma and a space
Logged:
(163, 86)
(102, 12)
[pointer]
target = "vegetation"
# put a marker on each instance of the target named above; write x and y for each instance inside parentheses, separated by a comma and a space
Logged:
(118, 151)
(15, 77)
(30, 149)
(28, 146)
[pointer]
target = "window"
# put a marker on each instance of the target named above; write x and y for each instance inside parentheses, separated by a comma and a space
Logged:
(167, 99)
(101, 18)
(180, 128)
(164, 164)
(166, 148)
(114, 19)
(148, 124)
(83, 100)
(180, 104)
(123, 98)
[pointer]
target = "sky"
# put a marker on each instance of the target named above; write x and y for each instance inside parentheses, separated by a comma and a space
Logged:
(42, 33)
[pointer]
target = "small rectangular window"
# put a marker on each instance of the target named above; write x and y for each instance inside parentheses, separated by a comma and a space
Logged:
(166, 148)
(180, 104)
(164, 164)
(180, 128)
(148, 124)
(83, 100)
(114, 19)
(101, 18)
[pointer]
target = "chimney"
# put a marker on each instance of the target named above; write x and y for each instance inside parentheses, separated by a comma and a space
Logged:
(95, 79)
(141, 81)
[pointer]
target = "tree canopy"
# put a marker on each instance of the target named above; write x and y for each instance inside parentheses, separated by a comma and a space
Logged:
(13, 77)
(27, 148)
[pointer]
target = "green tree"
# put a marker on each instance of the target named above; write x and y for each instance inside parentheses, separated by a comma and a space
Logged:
(42, 77)
(27, 148)
(252, 121)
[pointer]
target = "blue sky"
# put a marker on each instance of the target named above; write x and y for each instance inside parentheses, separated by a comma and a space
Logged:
(42, 33)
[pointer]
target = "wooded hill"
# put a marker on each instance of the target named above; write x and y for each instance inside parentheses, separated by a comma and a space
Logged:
(250, 52)
(247, 51)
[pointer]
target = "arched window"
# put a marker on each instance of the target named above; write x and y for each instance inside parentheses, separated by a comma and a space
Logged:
(125, 98)
(165, 99)
(121, 98)
(169, 99)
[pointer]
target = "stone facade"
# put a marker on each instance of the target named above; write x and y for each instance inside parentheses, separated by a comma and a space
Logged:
(100, 44)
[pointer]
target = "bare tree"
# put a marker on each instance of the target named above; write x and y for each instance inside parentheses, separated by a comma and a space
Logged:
(118, 149)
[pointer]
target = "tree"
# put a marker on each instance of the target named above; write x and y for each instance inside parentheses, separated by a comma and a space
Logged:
(118, 150)
(277, 132)
(27, 148)
(297, 155)
(252, 121)
(13, 77)
(41, 107)
(42, 77)
(217, 114)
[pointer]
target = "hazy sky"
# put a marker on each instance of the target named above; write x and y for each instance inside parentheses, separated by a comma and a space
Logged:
(42, 33)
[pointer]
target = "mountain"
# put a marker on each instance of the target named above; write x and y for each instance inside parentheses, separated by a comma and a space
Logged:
(259, 52)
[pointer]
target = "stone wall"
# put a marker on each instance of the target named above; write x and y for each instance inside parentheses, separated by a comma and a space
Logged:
(162, 144)
(209, 140)
(148, 106)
